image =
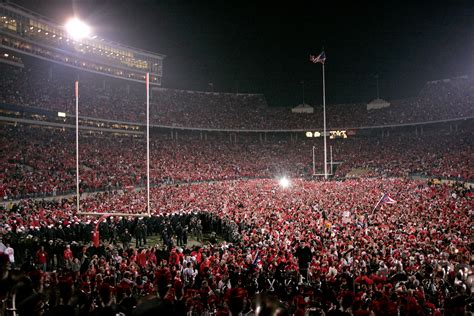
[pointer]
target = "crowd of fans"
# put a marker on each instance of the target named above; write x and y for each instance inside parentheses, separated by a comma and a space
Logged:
(315, 248)
(49, 86)
(232, 241)
(38, 161)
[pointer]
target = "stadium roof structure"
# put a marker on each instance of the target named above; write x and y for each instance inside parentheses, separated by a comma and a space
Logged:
(303, 108)
(377, 104)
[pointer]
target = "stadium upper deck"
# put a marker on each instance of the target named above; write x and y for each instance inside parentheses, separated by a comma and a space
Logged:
(42, 85)
(49, 87)
(26, 32)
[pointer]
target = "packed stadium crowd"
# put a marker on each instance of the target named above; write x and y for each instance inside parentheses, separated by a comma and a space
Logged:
(48, 86)
(319, 247)
(38, 161)
(232, 241)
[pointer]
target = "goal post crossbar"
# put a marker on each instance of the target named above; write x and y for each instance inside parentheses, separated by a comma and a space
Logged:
(114, 214)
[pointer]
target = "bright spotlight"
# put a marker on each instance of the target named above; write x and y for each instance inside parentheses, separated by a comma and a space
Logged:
(284, 182)
(77, 29)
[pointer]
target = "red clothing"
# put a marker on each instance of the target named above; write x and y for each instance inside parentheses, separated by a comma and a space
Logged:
(68, 254)
(141, 259)
(41, 256)
(205, 264)
(174, 258)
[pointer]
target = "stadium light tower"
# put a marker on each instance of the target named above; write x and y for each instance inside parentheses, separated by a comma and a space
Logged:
(77, 29)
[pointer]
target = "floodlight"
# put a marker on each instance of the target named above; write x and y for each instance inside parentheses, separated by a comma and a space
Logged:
(77, 29)
(284, 182)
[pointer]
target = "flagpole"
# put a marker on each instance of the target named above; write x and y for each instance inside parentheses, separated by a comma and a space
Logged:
(324, 117)
(148, 143)
(76, 89)
(377, 203)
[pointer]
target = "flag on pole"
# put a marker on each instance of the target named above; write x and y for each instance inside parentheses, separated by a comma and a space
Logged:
(386, 199)
(321, 58)
(256, 259)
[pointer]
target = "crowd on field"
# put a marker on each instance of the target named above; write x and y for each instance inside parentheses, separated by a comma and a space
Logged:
(314, 247)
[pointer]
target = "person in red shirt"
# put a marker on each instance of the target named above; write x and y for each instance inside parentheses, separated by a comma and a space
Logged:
(68, 256)
(151, 257)
(142, 259)
(41, 259)
(174, 258)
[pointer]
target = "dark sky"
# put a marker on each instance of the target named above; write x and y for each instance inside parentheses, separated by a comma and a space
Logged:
(262, 46)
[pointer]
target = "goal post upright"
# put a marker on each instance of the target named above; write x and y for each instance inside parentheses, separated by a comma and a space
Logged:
(330, 148)
(332, 163)
(148, 209)
(76, 90)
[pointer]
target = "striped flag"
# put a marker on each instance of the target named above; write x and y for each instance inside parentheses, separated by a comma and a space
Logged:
(386, 199)
(321, 58)
(256, 259)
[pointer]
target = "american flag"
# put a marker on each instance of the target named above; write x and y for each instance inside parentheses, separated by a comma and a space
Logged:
(321, 58)
(386, 199)
(256, 259)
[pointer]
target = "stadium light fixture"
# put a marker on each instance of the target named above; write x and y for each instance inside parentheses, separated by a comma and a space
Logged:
(284, 182)
(77, 29)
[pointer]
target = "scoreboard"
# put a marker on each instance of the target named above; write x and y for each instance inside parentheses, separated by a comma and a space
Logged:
(332, 134)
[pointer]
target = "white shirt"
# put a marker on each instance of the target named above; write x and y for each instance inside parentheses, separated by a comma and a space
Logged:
(2, 247)
(11, 254)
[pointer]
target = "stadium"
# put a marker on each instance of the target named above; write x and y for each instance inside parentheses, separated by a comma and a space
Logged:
(121, 195)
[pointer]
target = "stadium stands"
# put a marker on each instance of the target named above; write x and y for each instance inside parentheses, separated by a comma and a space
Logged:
(316, 247)
(48, 86)
(40, 161)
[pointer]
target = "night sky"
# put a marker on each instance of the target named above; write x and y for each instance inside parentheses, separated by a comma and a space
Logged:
(264, 48)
